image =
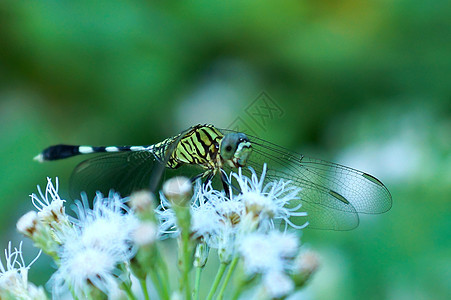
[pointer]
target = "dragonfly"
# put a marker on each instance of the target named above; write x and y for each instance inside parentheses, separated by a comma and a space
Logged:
(333, 195)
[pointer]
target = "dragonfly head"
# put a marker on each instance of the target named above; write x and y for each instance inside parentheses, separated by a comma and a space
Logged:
(235, 149)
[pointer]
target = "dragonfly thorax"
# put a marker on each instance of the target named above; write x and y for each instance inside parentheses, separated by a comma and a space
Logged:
(207, 147)
(198, 146)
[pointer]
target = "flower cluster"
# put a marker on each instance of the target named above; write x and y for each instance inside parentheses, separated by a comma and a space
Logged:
(244, 226)
(100, 240)
(90, 248)
(115, 242)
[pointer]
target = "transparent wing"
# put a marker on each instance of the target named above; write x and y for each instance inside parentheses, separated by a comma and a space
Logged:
(333, 195)
(123, 172)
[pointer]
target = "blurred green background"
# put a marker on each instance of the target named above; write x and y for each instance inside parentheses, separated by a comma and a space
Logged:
(362, 83)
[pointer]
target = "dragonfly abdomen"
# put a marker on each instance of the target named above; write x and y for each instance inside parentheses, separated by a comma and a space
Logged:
(64, 151)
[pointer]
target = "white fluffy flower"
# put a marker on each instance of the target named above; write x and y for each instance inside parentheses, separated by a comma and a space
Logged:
(47, 227)
(287, 244)
(269, 202)
(14, 277)
(167, 226)
(263, 253)
(50, 207)
(82, 267)
(108, 225)
(101, 239)
(231, 212)
(204, 219)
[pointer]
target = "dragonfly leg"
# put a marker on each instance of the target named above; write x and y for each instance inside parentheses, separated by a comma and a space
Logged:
(226, 184)
(193, 179)
(207, 174)
(209, 177)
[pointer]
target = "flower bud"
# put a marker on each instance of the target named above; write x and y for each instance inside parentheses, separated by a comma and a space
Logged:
(41, 234)
(277, 284)
(201, 255)
(145, 234)
(306, 264)
(142, 201)
(27, 224)
(178, 190)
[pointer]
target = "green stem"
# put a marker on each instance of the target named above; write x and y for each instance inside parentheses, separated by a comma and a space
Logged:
(128, 291)
(227, 278)
(197, 283)
(217, 280)
(242, 282)
(164, 285)
(144, 289)
(183, 222)
(164, 288)
(238, 291)
(164, 270)
(186, 263)
(74, 296)
(156, 279)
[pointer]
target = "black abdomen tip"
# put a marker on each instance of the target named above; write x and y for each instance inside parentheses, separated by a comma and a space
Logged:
(59, 152)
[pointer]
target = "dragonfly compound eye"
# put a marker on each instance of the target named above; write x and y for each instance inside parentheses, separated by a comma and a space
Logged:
(229, 144)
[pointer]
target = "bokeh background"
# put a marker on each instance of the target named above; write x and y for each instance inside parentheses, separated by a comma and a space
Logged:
(362, 83)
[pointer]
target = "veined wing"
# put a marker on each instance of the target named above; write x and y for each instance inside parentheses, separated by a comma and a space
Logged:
(333, 195)
(123, 172)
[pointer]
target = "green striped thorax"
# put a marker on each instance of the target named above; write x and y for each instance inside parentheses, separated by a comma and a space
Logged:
(235, 149)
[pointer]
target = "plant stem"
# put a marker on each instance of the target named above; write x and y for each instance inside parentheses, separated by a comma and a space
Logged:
(243, 282)
(218, 278)
(71, 289)
(238, 291)
(227, 278)
(164, 284)
(128, 291)
(144, 289)
(183, 221)
(164, 270)
(159, 280)
(197, 283)
(157, 283)
(186, 263)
